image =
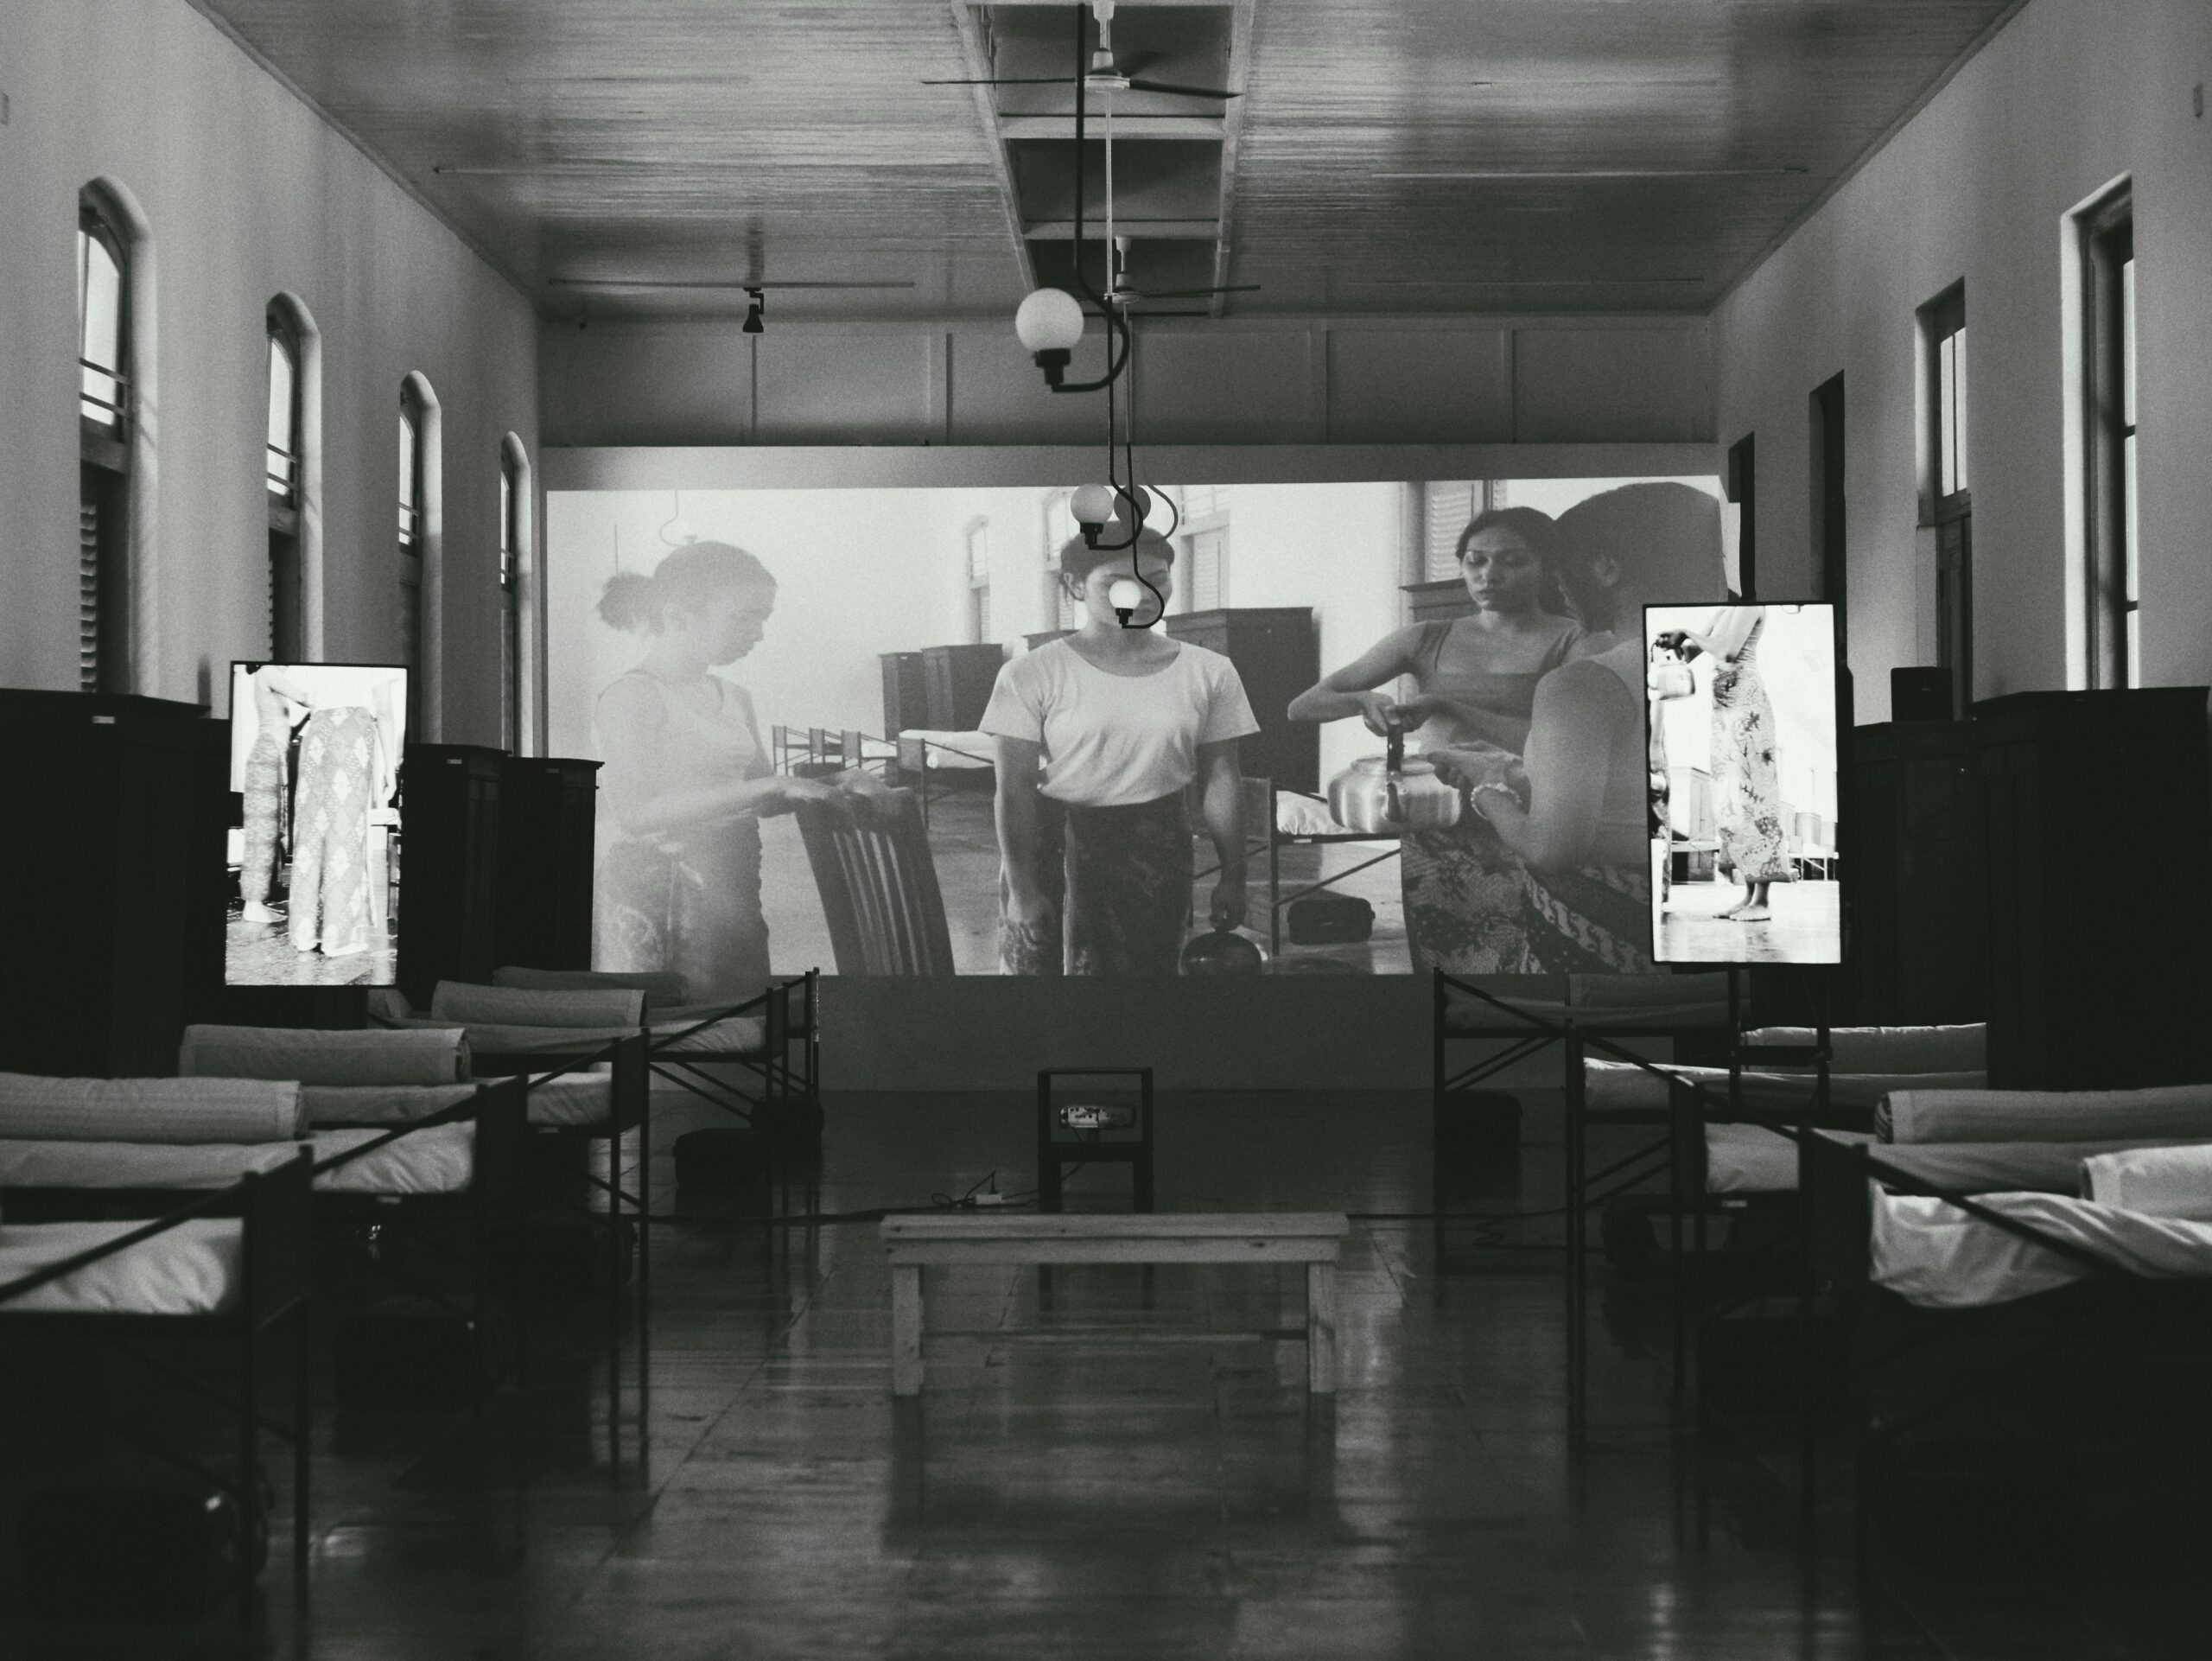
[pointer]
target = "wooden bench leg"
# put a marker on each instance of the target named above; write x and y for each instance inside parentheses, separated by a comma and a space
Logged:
(906, 1329)
(1321, 1328)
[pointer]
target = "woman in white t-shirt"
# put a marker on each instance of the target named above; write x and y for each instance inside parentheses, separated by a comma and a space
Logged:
(1099, 733)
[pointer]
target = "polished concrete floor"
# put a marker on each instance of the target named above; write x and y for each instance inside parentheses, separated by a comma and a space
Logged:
(1114, 1496)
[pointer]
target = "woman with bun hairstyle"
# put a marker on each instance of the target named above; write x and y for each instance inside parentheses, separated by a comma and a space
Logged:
(686, 778)
(1100, 736)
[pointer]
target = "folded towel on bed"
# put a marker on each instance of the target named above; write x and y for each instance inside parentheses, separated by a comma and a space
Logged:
(1887, 1049)
(2157, 1181)
(1933, 1254)
(1650, 1000)
(516, 1006)
(385, 1003)
(380, 1103)
(148, 1110)
(663, 989)
(2174, 1111)
(357, 1056)
(486, 1041)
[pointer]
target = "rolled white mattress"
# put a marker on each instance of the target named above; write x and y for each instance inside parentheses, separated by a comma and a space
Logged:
(148, 1110)
(360, 1056)
(2156, 1181)
(516, 1006)
(1621, 1085)
(662, 988)
(1888, 1049)
(437, 1159)
(110, 1165)
(386, 1104)
(2177, 1111)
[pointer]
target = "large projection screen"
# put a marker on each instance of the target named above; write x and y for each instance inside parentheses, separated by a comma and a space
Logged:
(875, 623)
(1744, 770)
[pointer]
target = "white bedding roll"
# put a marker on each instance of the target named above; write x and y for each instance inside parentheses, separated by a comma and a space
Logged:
(2156, 1181)
(2045, 1115)
(662, 988)
(515, 1006)
(1886, 1049)
(1933, 1254)
(361, 1056)
(1623, 1084)
(148, 1110)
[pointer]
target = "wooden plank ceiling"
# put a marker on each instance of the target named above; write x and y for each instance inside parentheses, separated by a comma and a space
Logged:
(1600, 155)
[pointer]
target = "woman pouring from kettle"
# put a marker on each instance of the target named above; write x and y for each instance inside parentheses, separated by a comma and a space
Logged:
(1099, 735)
(1477, 676)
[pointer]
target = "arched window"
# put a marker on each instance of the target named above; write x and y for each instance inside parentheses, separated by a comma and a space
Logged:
(516, 707)
(103, 430)
(285, 445)
(420, 567)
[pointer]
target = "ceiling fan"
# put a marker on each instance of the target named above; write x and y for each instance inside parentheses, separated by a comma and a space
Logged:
(1104, 75)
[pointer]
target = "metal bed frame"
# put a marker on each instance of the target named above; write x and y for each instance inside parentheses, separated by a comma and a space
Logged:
(274, 1209)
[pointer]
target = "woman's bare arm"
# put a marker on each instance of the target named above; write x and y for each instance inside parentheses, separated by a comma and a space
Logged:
(1351, 691)
(1222, 806)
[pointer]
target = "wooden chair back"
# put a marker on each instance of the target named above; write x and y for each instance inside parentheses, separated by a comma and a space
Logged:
(872, 864)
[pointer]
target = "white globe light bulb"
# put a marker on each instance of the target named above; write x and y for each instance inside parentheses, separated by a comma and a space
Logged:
(1049, 321)
(1125, 593)
(1092, 504)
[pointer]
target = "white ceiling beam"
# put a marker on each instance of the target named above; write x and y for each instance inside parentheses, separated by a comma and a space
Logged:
(1240, 65)
(1127, 128)
(978, 60)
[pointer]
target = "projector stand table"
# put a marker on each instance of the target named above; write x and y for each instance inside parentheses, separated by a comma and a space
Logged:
(1314, 1239)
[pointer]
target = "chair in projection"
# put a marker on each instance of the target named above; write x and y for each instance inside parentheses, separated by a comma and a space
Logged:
(872, 864)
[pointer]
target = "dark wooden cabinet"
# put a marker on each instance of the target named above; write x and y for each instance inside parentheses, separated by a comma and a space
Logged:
(2094, 810)
(1915, 876)
(1277, 652)
(905, 703)
(547, 821)
(449, 866)
(957, 681)
(1438, 602)
(113, 845)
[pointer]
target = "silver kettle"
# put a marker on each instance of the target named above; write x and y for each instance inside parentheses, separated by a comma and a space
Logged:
(1388, 795)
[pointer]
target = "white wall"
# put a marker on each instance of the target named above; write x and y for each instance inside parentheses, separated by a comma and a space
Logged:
(248, 194)
(2070, 96)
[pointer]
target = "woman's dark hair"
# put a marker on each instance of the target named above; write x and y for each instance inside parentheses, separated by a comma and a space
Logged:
(1661, 541)
(689, 577)
(1536, 528)
(1078, 560)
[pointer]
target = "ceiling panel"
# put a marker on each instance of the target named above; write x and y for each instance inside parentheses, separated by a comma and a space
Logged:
(1630, 155)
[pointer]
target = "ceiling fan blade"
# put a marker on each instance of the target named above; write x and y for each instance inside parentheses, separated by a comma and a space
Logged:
(1028, 81)
(1136, 86)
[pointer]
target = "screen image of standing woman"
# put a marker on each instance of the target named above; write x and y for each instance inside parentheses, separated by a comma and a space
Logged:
(686, 778)
(1099, 734)
(1477, 676)
(1746, 788)
(279, 704)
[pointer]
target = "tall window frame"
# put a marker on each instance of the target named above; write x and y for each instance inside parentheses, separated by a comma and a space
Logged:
(415, 418)
(284, 483)
(975, 550)
(106, 428)
(514, 536)
(1826, 428)
(1741, 489)
(2109, 359)
(1946, 482)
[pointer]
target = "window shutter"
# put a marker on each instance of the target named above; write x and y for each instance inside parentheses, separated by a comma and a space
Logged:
(1446, 511)
(88, 591)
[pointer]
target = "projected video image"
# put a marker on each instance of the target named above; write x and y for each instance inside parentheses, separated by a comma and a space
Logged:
(315, 753)
(1743, 734)
(903, 731)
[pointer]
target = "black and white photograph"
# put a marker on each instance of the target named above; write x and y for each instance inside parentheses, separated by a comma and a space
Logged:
(1745, 866)
(316, 763)
(1234, 829)
(1369, 728)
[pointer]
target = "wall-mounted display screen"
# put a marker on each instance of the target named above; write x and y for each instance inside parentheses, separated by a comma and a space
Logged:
(314, 849)
(1744, 747)
(1342, 689)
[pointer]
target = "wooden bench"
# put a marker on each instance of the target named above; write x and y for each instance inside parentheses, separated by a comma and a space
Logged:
(1314, 1239)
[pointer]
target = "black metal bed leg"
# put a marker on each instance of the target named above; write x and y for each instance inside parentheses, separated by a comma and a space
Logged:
(249, 1491)
(644, 1201)
(614, 1297)
(1436, 1102)
(303, 1422)
(1681, 1287)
